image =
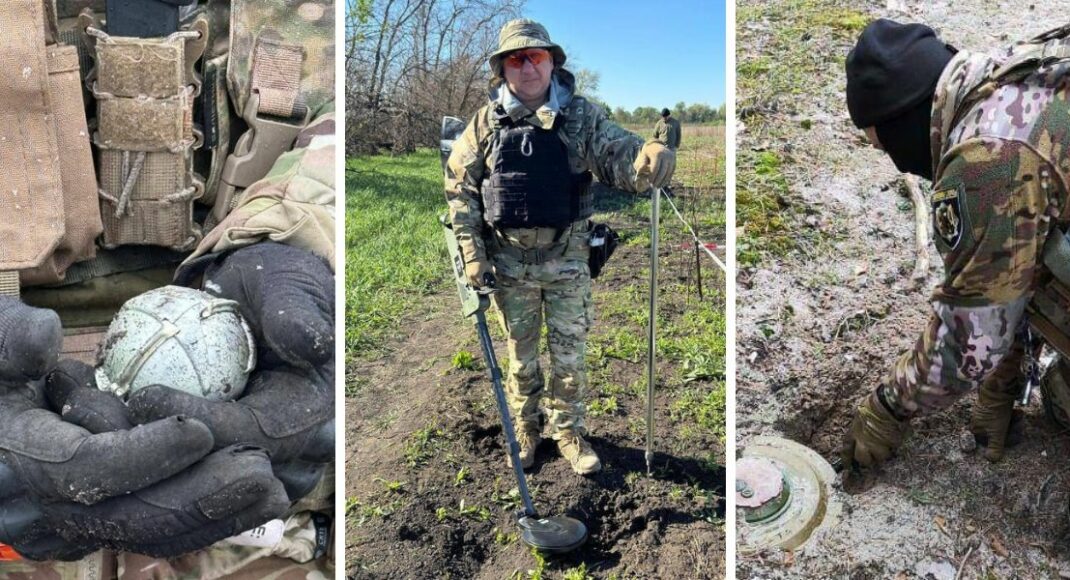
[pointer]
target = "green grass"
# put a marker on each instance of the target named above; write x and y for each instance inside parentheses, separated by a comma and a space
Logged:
(577, 573)
(804, 44)
(763, 211)
(787, 68)
(423, 444)
(464, 361)
(395, 255)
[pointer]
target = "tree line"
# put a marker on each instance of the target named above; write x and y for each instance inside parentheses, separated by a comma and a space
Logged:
(693, 113)
(411, 62)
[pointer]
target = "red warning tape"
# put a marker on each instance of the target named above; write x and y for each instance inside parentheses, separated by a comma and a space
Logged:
(8, 554)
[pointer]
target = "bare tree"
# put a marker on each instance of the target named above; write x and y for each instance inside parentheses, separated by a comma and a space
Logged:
(410, 62)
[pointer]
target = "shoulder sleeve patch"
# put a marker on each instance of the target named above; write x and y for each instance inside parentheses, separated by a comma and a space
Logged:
(947, 215)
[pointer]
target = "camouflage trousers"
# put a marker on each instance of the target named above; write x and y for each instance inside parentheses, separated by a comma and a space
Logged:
(558, 292)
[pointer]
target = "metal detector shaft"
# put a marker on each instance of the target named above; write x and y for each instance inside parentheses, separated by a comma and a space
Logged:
(655, 203)
(474, 304)
(503, 410)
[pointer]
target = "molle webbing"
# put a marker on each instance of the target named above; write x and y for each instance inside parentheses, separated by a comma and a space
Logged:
(79, 182)
(277, 77)
(285, 53)
(280, 72)
(31, 199)
(9, 283)
(145, 88)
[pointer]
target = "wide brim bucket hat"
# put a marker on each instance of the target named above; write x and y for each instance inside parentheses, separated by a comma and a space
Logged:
(520, 34)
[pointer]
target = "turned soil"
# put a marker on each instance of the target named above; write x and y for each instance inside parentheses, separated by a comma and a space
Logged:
(818, 324)
(427, 481)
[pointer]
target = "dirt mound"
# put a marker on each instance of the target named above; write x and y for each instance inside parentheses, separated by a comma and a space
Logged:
(431, 496)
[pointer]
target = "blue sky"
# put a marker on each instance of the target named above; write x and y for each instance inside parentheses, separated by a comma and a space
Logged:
(648, 53)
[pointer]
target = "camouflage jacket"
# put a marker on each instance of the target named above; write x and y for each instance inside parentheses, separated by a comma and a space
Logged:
(667, 132)
(293, 204)
(597, 144)
(999, 141)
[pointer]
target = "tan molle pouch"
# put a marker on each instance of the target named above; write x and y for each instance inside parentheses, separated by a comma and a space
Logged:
(31, 198)
(77, 176)
(145, 88)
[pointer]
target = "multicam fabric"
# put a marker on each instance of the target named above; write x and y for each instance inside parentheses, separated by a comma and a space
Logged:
(1000, 152)
(293, 204)
(558, 290)
(291, 559)
(97, 566)
(306, 26)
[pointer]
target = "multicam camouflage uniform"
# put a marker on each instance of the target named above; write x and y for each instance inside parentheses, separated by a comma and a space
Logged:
(559, 289)
(1000, 148)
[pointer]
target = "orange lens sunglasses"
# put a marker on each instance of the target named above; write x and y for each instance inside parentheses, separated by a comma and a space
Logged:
(535, 56)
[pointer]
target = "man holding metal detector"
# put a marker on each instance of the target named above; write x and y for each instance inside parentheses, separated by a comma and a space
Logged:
(517, 184)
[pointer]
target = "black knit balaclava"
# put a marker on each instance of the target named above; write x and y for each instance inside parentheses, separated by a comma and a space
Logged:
(892, 75)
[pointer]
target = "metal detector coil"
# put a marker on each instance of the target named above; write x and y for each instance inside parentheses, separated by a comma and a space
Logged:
(551, 535)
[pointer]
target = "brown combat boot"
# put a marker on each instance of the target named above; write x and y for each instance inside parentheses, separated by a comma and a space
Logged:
(578, 452)
(529, 440)
(995, 423)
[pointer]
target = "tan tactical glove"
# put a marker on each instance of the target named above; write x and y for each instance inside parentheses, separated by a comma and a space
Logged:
(476, 271)
(993, 414)
(654, 166)
(874, 436)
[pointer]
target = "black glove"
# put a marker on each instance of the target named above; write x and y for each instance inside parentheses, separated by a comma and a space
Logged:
(287, 296)
(228, 492)
(60, 461)
(68, 488)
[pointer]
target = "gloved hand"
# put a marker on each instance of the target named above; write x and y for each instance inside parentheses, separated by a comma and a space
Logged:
(286, 295)
(994, 416)
(654, 166)
(477, 271)
(61, 461)
(67, 490)
(874, 435)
